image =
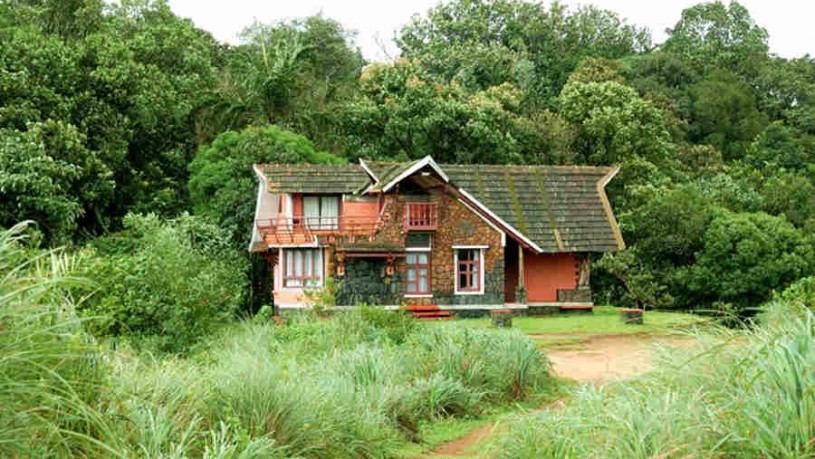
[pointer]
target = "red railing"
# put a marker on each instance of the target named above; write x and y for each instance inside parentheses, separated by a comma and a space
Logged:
(421, 216)
(301, 230)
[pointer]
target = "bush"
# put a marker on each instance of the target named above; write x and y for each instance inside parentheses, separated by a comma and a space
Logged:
(747, 256)
(172, 282)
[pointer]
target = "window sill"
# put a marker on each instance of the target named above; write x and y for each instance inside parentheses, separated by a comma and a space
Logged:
(458, 292)
(421, 295)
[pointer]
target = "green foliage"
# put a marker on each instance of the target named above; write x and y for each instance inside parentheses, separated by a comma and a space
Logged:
(724, 114)
(109, 90)
(747, 256)
(484, 43)
(293, 74)
(408, 113)
(171, 282)
(715, 36)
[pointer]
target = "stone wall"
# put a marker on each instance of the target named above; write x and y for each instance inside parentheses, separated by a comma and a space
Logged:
(366, 281)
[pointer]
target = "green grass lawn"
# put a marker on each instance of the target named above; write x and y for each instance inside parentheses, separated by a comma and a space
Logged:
(605, 320)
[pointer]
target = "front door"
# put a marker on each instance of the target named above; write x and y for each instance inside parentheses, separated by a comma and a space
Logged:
(510, 270)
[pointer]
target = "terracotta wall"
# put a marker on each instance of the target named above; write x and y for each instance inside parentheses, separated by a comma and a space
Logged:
(545, 273)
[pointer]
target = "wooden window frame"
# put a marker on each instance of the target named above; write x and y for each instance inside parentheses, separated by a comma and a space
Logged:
(417, 267)
(317, 269)
(478, 288)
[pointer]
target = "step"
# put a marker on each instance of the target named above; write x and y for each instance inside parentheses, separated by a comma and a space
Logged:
(420, 307)
(432, 314)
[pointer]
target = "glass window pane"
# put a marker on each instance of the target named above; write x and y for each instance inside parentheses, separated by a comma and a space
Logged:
(411, 274)
(418, 240)
(318, 264)
(311, 206)
(423, 284)
(423, 272)
(411, 258)
(423, 258)
(298, 264)
(307, 267)
(289, 261)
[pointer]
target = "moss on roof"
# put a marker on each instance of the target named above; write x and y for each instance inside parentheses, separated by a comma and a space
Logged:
(559, 208)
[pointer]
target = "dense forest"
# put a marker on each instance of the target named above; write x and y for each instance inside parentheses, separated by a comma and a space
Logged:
(127, 134)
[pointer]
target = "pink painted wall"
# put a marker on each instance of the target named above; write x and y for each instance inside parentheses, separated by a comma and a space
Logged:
(359, 213)
(545, 273)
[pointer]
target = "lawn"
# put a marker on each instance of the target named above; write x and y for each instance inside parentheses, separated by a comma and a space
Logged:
(570, 329)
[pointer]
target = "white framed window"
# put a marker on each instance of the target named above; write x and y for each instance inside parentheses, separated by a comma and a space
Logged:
(469, 266)
(302, 268)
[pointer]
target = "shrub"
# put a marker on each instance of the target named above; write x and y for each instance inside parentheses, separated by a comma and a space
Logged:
(172, 282)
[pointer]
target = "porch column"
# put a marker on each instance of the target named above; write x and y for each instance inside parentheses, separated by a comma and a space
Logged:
(521, 282)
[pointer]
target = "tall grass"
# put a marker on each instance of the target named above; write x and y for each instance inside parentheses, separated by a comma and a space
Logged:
(737, 395)
(50, 370)
(356, 386)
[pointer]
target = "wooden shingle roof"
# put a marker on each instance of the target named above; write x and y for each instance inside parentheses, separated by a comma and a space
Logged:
(558, 208)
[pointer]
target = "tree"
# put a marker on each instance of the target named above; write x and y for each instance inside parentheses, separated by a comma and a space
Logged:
(408, 113)
(291, 73)
(747, 256)
(473, 42)
(124, 79)
(615, 123)
(724, 114)
(714, 36)
(222, 181)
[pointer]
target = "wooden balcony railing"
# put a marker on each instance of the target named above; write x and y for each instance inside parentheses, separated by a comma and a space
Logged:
(421, 216)
(301, 230)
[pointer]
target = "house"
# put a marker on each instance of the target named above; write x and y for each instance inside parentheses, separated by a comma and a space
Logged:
(463, 237)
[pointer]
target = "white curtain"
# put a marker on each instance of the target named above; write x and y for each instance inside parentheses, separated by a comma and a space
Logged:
(330, 210)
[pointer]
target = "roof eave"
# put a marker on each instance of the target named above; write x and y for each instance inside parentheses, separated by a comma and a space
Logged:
(612, 220)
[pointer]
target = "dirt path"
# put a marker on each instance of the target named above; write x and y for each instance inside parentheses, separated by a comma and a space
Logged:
(599, 359)
(609, 358)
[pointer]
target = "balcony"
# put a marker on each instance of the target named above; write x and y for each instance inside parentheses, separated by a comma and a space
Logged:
(302, 230)
(421, 216)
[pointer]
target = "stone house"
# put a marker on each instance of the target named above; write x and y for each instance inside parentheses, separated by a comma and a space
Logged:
(460, 237)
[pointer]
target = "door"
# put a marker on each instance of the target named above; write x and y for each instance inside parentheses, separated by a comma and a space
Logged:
(510, 270)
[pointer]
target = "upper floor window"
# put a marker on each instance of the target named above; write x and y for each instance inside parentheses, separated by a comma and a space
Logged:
(321, 212)
(469, 270)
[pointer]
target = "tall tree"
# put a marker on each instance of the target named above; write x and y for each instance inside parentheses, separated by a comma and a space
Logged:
(715, 36)
(484, 43)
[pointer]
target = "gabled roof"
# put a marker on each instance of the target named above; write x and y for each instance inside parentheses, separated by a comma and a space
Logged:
(550, 208)
(559, 208)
